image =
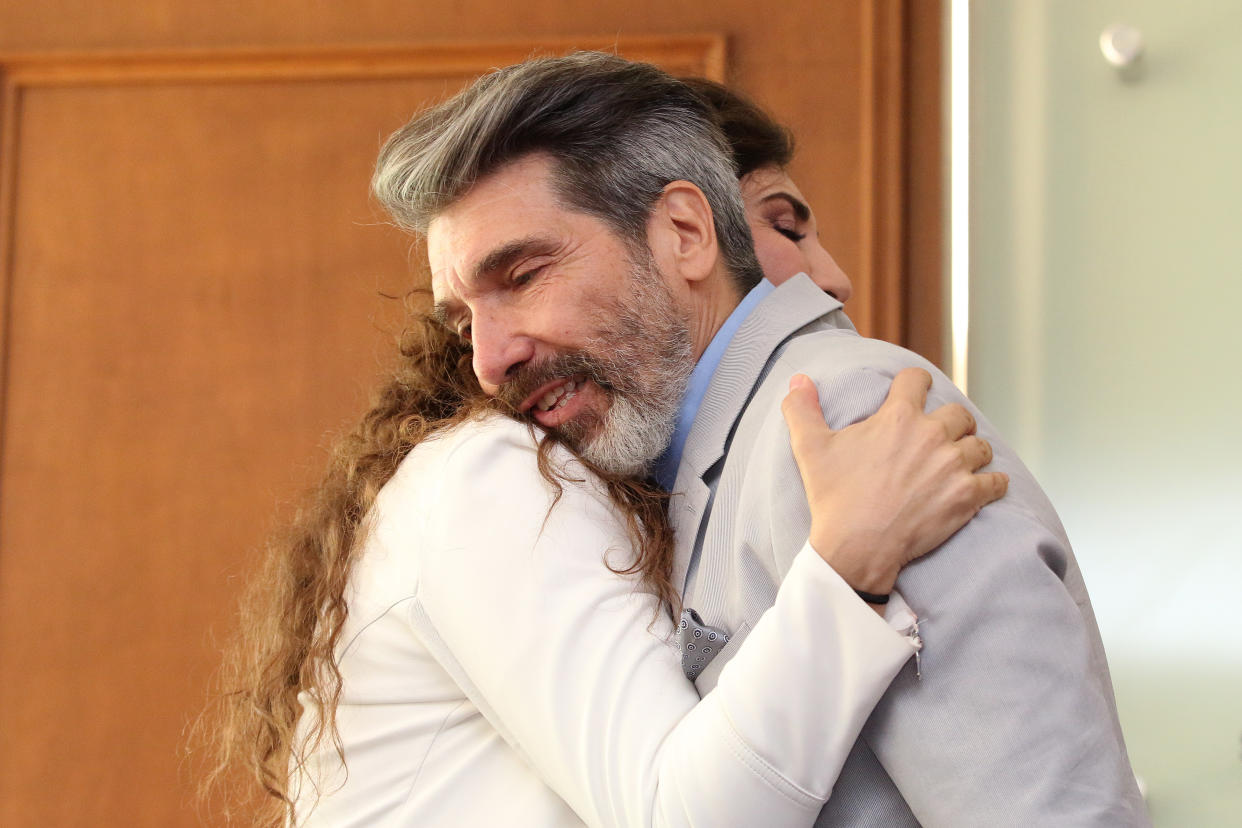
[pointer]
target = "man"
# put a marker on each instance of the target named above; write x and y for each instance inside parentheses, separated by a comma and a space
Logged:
(585, 232)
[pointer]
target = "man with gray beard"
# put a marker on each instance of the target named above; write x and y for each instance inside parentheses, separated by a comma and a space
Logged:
(639, 353)
(585, 232)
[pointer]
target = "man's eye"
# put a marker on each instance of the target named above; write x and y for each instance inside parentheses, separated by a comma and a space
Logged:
(464, 331)
(789, 233)
(525, 276)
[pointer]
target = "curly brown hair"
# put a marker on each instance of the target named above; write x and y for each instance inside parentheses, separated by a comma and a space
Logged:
(293, 610)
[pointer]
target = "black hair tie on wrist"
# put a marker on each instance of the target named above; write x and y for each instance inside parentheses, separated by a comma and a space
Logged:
(871, 598)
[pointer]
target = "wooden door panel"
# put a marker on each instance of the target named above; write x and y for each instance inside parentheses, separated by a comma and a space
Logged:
(181, 332)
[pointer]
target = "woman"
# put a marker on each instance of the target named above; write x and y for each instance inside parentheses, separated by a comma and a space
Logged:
(781, 222)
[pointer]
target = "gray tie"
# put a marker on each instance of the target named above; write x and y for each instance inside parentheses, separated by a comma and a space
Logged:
(698, 643)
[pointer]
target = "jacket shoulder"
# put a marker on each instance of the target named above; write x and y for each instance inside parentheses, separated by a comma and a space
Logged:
(853, 374)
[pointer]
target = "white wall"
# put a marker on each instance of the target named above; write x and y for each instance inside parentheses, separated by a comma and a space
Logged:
(1106, 289)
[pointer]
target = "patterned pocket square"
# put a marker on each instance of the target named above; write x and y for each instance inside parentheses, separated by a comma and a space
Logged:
(698, 643)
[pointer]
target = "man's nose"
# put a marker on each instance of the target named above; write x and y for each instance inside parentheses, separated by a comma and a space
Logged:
(498, 351)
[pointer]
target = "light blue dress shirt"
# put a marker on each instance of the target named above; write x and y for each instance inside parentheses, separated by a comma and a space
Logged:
(665, 469)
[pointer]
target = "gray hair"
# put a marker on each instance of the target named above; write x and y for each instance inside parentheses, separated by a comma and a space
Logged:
(617, 132)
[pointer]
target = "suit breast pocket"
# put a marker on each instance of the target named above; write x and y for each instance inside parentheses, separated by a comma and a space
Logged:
(707, 679)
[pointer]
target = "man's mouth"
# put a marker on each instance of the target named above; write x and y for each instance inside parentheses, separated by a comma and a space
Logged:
(560, 395)
(557, 402)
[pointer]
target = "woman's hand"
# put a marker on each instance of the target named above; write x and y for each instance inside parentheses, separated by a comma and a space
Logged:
(892, 487)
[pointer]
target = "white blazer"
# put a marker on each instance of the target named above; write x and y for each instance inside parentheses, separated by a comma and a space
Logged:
(497, 672)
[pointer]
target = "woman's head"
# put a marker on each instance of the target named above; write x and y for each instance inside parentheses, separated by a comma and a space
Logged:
(781, 222)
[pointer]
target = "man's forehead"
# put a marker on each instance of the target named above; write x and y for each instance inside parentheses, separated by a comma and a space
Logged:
(510, 204)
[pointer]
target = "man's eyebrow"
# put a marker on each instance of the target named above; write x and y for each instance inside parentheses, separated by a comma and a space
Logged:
(504, 256)
(801, 211)
(446, 311)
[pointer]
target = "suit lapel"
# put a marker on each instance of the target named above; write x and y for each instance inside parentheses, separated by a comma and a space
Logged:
(789, 307)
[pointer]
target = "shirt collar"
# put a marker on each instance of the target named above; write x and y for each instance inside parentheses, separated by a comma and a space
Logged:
(665, 469)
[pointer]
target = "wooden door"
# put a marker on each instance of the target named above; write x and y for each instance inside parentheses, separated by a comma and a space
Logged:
(192, 280)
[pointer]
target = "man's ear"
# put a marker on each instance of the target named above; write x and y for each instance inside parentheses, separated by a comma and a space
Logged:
(682, 232)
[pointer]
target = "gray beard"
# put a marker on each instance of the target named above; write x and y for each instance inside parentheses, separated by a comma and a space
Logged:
(645, 354)
(631, 437)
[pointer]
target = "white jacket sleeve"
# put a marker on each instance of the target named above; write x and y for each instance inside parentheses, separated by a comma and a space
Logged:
(574, 667)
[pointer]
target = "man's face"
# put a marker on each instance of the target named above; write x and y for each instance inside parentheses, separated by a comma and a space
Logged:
(566, 324)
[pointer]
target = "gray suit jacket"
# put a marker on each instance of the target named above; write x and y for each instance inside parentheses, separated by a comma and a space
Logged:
(1013, 721)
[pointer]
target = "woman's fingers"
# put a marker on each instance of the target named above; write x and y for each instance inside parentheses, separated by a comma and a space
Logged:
(976, 452)
(910, 386)
(803, 414)
(992, 486)
(957, 421)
